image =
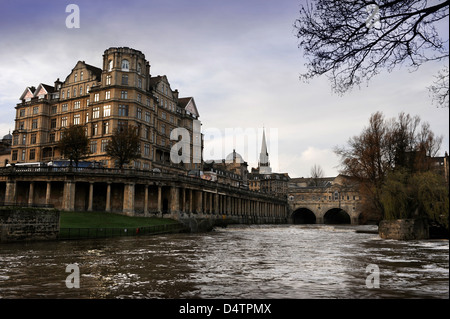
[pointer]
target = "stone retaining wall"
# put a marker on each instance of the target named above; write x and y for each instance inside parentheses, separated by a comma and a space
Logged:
(403, 229)
(18, 224)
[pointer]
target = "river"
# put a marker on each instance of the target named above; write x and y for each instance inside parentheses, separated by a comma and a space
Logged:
(265, 261)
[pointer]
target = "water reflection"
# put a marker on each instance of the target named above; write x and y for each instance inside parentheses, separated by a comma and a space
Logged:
(296, 261)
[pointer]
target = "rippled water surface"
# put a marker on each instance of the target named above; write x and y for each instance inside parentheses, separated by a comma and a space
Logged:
(296, 261)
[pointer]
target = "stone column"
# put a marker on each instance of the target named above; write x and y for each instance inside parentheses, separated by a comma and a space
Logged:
(174, 200)
(216, 203)
(91, 196)
(69, 196)
(199, 202)
(31, 194)
(146, 200)
(191, 201)
(48, 193)
(210, 203)
(128, 198)
(159, 199)
(10, 193)
(108, 197)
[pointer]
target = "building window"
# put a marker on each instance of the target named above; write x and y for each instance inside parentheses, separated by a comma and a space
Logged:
(14, 156)
(62, 95)
(23, 155)
(107, 95)
(16, 140)
(146, 149)
(163, 115)
(74, 92)
(139, 113)
(139, 68)
(68, 93)
(94, 129)
(33, 139)
(93, 147)
(81, 76)
(110, 65)
(163, 129)
(64, 107)
(32, 154)
(140, 83)
(75, 77)
(125, 65)
(34, 124)
(124, 95)
(104, 145)
(121, 125)
(22, 113)
(87, 117)
(81, 90)
(52, 137)
(123, 110)
(87, 88)
(53, 123)
(96, 97)
(76, 105)
(105, 127)
(107, 110)
(108, 80)
(54, 109)
(147, 117)
(96, 112)
(36, 110)
(76, 119)
(139, 98)
(124, 79)
(64, 121)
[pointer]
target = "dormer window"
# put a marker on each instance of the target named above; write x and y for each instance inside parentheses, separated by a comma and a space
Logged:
(125, 65)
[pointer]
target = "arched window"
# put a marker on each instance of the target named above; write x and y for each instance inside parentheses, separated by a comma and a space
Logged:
(125, 65)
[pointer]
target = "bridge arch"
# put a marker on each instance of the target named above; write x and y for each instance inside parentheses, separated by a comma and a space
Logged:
(337, 216)
(303, 216)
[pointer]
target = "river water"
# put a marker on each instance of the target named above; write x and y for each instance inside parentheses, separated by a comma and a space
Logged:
(245, 262)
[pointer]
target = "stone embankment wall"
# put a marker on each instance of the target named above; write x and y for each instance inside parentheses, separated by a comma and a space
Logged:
(403, 229)
(18, 224)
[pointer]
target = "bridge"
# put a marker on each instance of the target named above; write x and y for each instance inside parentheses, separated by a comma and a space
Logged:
(326, 201)
(137, 193)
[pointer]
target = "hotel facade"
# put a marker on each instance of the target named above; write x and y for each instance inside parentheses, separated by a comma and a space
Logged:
(120, 93)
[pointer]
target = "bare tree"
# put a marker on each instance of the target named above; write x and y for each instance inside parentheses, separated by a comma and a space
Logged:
(124, 145)
(439, 90)
(316, 174)
(74, 144)
(385, 146)
(352, 41)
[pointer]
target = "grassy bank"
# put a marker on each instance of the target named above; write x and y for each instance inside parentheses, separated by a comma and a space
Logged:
(79, 225)
(108, 220)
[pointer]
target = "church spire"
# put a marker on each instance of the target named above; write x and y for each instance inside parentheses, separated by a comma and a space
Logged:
(264, 164)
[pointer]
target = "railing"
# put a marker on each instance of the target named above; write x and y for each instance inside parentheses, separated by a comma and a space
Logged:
(89, 233)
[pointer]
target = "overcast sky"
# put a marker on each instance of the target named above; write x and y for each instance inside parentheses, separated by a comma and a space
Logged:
(239, 59)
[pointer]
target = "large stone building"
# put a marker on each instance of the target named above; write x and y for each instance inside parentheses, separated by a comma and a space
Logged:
(120, 93)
